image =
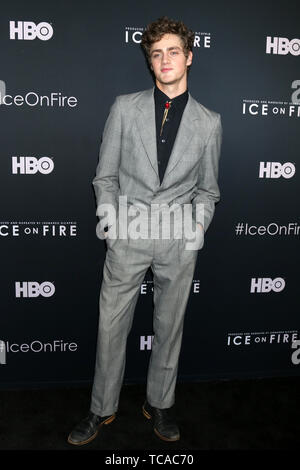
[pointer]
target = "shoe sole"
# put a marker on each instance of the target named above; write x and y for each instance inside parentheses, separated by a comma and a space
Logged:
(82, 443)
(148, 416)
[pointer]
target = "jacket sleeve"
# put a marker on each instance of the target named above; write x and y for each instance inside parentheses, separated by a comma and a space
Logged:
(207, 192)
(106, 181)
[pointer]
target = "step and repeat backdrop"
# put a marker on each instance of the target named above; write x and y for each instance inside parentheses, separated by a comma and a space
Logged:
(62, 65)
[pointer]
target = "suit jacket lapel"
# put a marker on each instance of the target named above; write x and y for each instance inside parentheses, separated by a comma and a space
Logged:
(146, 124)
(147, 128)
(185, 133)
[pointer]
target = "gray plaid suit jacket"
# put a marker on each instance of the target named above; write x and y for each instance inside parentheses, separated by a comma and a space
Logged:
(128, 157)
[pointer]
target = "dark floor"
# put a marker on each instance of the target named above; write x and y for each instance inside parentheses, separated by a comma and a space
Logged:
(225, 415)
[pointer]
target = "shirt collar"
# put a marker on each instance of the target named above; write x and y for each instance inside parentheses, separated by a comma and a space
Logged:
(161, 98)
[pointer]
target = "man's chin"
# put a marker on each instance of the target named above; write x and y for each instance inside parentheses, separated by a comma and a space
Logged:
(167, 81)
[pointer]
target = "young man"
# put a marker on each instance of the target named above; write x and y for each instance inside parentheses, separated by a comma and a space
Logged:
(160, 149)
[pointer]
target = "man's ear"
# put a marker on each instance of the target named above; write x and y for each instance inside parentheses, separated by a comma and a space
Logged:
(190, 58)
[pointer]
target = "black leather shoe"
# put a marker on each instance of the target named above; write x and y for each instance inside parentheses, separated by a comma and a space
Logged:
(164, 425)
(88, 428)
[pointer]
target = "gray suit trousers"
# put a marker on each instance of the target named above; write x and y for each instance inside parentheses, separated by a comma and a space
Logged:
(125, 266)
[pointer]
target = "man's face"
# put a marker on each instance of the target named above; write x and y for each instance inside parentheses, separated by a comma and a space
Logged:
(168, 61)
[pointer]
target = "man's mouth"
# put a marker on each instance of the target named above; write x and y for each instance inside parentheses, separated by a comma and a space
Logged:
(166, 70)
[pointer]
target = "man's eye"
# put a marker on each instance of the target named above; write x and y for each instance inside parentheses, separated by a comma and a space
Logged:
(174, 52)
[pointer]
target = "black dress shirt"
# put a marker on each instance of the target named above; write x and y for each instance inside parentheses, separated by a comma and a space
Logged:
(166, 141)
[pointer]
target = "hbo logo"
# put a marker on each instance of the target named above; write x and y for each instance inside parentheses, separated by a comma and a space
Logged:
(282, 46)
(31, 165)
(266, 284)
(34, 289)
(275, 170)
(28, 30)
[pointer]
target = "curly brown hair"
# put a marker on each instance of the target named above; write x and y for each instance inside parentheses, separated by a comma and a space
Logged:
(164, 25)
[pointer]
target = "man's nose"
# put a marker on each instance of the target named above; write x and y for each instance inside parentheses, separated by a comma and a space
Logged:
(165, 57)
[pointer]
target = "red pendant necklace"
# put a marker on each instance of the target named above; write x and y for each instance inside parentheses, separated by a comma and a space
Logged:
(166, 110)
